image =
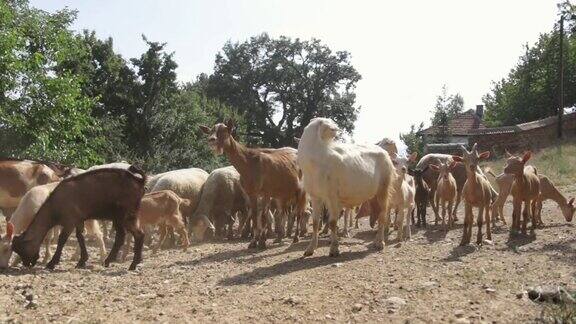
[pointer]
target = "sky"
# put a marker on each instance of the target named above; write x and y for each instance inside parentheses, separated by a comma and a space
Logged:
(404, 50)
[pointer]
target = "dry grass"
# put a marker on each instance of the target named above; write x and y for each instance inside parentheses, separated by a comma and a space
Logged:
(557, 162)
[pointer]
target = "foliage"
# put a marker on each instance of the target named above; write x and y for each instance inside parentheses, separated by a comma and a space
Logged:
(447, 106)
(413, 139)
(531, 89)
(43, 112)
(279, 85)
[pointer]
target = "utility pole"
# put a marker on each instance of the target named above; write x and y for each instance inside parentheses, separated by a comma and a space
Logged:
(561, 77)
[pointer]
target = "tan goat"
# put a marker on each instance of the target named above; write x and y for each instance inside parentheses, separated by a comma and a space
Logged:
(549, 191)
(477, 192)
(163, 208)
(446, 191)
(525, 189)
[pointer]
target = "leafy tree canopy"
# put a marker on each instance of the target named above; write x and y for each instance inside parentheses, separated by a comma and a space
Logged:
(279, 85)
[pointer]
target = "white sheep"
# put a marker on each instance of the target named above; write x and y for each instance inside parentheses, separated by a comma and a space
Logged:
(340, 175)
(222, 197)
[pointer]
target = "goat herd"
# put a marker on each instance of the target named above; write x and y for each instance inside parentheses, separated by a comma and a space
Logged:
(264, 188)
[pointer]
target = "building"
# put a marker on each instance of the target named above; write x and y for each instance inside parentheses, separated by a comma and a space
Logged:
(460, 129)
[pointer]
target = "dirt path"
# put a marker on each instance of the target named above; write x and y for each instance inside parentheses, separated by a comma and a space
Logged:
(429, 279)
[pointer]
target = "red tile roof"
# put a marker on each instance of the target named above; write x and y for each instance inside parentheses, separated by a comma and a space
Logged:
(461, 124)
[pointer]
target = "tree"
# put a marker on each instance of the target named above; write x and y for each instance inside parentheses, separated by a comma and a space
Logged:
(530, 91)
(279, 85)
(43, 112)
(413, 139)
(447, 107)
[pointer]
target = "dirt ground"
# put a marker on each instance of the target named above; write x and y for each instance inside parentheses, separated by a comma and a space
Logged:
(429, 279)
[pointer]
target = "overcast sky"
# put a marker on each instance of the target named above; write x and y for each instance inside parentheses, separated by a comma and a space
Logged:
(404, 50)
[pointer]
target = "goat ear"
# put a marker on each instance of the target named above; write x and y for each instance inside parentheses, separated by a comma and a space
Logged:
(9, 231)
(526, 156)
(571, 202)
(484, 155)
(231, 125)
(434, 167)
(457, 158)
(413, 157)
(205, 129)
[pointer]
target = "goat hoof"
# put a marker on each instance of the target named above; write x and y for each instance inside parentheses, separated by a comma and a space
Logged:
(308, 253)
(262, 245)
(252, 245)
(132, 267)
(295, 239)
(81, 265)
(334, 254)
(50, 266)
(277, 240)
(378, 246)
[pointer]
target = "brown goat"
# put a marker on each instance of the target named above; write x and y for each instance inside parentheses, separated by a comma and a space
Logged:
(265, 173)
(477, 192)
(111, 194)
(525, 189)
(422, 196)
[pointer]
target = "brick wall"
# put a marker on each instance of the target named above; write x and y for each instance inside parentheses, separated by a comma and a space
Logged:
(524, 139)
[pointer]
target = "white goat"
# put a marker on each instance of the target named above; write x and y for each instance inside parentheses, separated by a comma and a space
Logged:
(340, 175)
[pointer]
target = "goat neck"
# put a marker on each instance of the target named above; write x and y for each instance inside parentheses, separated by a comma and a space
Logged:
(237, 154)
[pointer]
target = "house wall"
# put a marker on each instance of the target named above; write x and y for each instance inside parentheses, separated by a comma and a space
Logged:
(523, 140)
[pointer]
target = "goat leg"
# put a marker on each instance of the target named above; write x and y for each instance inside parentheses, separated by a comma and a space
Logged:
(82, 245)
(118, 242)
(64, 233)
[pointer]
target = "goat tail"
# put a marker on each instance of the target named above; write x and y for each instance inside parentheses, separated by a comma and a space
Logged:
(489, 171)
(136, 170)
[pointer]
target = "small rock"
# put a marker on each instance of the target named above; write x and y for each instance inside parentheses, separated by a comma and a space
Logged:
(490, 290)
(356, 308)
(292, 300)
(488, 242)
(31, 304)
(394, 302)
(328, 316)
(430, 285)
(520, 295)
(459, 313)
(461, 321)
(337, 265)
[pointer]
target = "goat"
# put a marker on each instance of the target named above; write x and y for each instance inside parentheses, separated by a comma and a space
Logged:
(165, 209)
(477, 192)
(549, 191)
(112, 194)
(187, 184)
(525, 189)
(19, 176)
(402, 199)
(24, 214)
(446, 191)
(340, 175)
(264, 173)
(422, 195)
(504, 182)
